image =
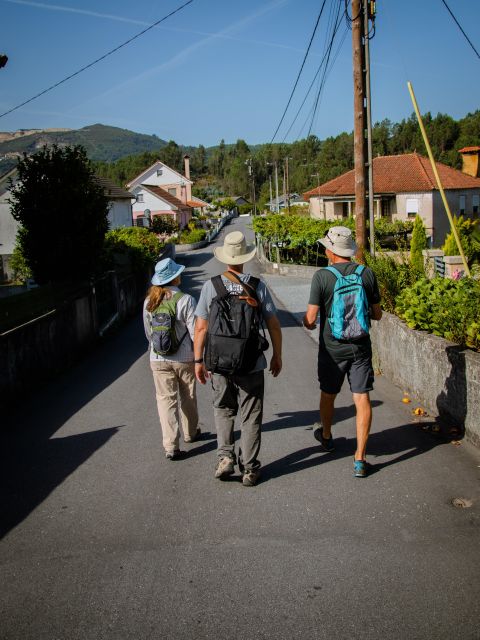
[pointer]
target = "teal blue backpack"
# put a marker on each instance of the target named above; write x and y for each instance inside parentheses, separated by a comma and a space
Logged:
(349, 319)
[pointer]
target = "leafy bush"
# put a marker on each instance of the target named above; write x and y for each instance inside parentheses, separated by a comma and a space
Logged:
(245, 209)
(135, 246)
(469, 233)
(191, 236)
(418, 244)
(444, 307)
(393, 277)
(19, 266)
(164, 224)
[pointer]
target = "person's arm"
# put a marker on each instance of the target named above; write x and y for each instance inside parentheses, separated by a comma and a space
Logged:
(310, 317)
(275, 332)
(146, 323)
(201, 327)
(189, 317)
(375, 311)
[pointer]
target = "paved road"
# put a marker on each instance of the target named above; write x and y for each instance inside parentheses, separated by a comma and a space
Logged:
(105, 539)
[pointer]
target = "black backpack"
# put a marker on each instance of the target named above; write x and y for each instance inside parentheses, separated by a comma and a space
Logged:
(234, 339)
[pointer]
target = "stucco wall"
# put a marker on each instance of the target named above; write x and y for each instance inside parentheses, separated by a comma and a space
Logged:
(120, 214)
(442, 376)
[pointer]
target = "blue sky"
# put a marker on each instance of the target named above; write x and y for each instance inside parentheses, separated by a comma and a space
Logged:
(225, 69)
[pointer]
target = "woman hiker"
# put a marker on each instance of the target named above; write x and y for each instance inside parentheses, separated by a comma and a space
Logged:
(171, 355)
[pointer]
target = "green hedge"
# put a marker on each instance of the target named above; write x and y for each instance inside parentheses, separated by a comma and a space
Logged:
(444, 307)
(191, 236)
(134, 246)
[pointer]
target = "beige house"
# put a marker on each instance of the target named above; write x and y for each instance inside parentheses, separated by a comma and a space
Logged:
(404, 186)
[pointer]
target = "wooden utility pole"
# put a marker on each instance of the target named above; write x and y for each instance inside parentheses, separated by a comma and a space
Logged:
(359, 141)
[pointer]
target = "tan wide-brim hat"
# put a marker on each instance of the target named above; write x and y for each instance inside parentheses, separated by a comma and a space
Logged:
(340, 242)
(235, 249)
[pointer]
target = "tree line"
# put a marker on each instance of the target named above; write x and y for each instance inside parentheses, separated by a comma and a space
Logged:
(235, 169)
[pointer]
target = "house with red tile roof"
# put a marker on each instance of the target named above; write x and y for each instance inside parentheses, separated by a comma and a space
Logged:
(160, 190)
(404, 186)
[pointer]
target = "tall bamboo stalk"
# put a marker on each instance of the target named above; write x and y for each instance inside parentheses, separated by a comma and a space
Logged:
(437, 177)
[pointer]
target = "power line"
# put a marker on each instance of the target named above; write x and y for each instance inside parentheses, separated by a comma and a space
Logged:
(322, 84)
(300, 72)
(91, 64)
(310, 88)
(460, 27)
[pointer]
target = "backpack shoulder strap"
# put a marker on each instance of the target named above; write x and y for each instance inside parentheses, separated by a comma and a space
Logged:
(335, 272)
(250, 287)
(176, 296)
(359, 270)
(220, 289)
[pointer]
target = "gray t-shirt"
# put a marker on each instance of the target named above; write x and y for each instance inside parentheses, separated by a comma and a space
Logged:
(267, 305)
(321, 294)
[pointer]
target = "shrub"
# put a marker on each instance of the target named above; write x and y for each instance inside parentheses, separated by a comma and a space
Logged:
(244, 209)
(192, 236)
(418, 244)
(444, 307)
(139, 247)
(393, 277)
(469, 233)
(19, 266)
(164, 224)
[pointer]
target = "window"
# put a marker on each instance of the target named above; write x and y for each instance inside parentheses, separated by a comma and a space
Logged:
(139, 222)
(344, 209)
(412, 207)
(475, 205)
(172, 191)
(139, 197)
(461, 205)
(159, 172)
(385, 208)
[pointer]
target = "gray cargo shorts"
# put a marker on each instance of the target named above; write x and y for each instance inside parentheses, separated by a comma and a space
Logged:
(331, 374)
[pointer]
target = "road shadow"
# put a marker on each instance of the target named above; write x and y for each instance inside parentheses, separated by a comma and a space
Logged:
(404, 442)
(32, 461)
(452, 402)
(291, 419)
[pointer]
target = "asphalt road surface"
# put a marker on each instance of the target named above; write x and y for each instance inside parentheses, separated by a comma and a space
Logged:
(103, 538)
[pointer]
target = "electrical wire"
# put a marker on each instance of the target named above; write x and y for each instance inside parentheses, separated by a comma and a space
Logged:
(91, 64)
(330, 46)
(300, 72)
(460, 27)
(309, 89)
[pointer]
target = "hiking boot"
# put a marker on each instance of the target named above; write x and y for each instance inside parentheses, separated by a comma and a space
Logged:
(360, 468)
(250, 478)
(195, 436)
(224, 468)
(173, 455)
(325, 443)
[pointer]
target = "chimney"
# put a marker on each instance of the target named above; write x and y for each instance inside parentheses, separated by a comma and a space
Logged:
(186, 160)
(470, 161)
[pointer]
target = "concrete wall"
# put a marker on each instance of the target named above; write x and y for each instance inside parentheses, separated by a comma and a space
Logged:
(34, 352)
(442, 376)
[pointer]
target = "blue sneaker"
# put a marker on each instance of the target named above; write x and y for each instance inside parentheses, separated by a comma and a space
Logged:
(360, 468)
(326, 443)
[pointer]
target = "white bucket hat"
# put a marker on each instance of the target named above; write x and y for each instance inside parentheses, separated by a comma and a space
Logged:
(235, 249)
(339, 241)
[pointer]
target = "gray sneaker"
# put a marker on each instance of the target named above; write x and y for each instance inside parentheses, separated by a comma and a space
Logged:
(250, 478)
(224, 468)
(173, 455)
(326, 443)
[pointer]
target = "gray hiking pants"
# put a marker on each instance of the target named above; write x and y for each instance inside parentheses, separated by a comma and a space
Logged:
(229, 395)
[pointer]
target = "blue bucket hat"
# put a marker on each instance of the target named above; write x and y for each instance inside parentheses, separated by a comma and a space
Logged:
(165, 271)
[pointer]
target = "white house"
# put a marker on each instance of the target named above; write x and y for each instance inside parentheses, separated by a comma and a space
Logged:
(404, 186)
(120, 212)
(160, 190)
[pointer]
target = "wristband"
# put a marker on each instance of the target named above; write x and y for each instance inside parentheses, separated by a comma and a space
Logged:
(198, 361)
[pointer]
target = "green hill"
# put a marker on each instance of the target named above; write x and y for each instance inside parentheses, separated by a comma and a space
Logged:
(101, 143)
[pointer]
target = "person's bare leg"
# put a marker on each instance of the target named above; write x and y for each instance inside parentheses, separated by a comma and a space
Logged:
(327, 402)
(364, 422)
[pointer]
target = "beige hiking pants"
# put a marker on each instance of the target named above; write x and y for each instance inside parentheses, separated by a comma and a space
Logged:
(176, 400)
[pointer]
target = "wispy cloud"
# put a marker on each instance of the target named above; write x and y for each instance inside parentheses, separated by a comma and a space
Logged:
(142, 23)
(182, 55)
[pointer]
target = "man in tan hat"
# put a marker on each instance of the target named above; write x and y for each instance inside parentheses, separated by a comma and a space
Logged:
(242, 388)
(346, 295)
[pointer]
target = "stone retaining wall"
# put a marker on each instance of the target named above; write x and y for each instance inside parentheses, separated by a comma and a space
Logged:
(441, 375)
(183, 248)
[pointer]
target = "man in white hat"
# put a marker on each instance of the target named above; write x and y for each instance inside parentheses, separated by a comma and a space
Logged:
(243, 390)
(344, 342)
